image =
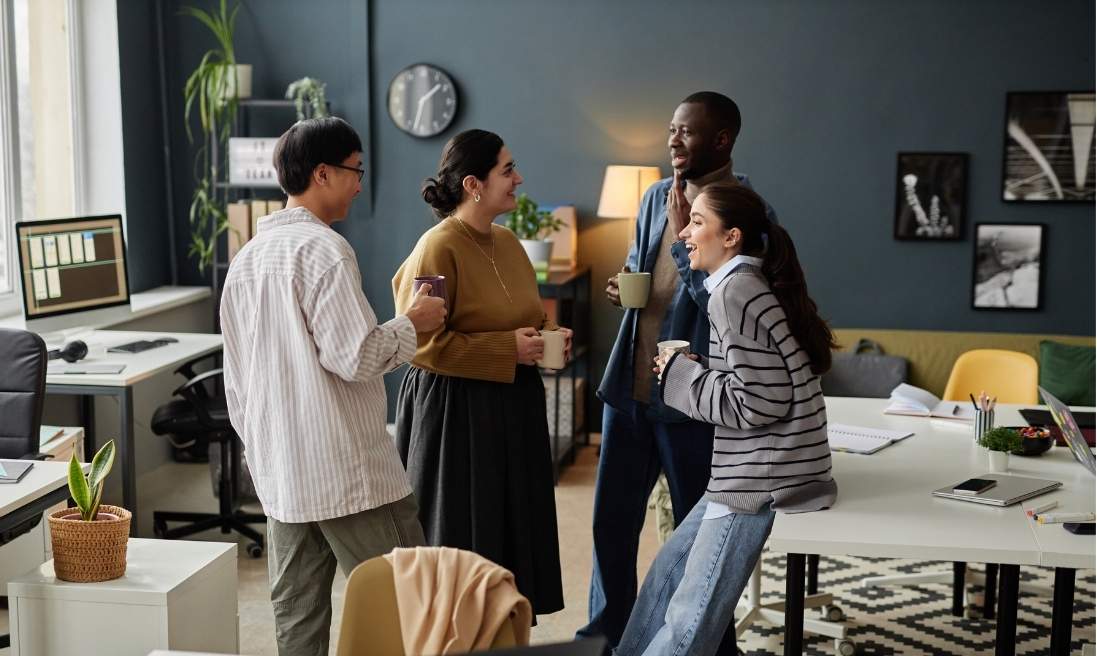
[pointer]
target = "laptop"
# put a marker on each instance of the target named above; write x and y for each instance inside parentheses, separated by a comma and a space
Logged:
(1070, 431)
(584, 647)
(1008, 491)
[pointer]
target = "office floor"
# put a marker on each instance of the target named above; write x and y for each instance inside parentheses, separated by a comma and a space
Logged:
(882, 621)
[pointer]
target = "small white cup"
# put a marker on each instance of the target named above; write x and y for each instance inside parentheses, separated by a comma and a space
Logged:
(670, 347)
(553, 356)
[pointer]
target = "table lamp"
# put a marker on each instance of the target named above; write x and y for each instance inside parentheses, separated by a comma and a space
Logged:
(622, 189)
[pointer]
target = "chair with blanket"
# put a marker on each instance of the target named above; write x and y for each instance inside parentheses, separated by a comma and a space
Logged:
(371, 614)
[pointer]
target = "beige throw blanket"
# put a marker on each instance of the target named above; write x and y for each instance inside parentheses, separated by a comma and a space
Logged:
(453, 601)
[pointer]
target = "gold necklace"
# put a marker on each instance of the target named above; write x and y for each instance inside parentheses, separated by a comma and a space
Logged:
(490, 258)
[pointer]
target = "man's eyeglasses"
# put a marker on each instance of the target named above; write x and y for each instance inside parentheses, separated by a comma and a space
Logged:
(360, 172)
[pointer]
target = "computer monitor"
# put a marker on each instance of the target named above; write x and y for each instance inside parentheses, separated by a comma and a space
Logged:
(73, 272)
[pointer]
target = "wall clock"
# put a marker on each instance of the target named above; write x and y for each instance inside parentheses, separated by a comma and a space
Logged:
(422, 100)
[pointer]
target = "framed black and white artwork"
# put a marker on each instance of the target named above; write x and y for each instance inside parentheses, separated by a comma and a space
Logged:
(929, 196)
(1049, 149)
(1007, 267)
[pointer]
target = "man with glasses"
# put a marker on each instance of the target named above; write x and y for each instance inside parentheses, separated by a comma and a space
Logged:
(304, 357)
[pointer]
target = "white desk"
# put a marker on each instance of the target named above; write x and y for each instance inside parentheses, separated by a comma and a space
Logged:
(139, 367)
(884, 508)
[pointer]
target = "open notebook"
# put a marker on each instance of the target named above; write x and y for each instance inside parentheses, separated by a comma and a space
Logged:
(910, 400)
(858, 439)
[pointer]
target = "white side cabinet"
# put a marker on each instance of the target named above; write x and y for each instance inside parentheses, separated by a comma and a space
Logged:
(176, 594)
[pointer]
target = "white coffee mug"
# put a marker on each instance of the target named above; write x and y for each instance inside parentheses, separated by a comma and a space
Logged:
(553, 356)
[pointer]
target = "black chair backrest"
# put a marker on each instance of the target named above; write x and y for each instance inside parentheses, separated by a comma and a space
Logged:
(22, 391)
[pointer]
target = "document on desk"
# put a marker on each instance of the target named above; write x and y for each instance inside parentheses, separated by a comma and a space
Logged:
(13, 471)
(858, 439)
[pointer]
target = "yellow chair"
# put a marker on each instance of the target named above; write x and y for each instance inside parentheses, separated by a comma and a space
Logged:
(371, 620)
(1010, 376)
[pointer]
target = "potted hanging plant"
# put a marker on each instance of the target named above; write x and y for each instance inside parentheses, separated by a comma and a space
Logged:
(89, 541)
(214, 89)
(308, 98)
(999, 443)
(533, 227)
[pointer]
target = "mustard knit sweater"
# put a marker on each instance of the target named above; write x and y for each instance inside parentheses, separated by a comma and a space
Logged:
(477, 339)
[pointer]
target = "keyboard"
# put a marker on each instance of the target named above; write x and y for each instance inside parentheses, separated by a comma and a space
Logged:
(140, 345)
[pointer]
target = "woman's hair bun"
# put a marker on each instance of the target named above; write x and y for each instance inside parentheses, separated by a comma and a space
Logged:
(442, 200)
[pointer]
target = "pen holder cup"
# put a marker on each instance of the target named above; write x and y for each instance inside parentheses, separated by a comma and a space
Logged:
(984, 421)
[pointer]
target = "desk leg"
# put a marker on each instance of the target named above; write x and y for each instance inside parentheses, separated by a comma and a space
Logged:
(813, 574)
(126, 454)
(959, 587)
(990, 589)
(87, 418)
(1006, 638)
(1062, 611)
(794, 605)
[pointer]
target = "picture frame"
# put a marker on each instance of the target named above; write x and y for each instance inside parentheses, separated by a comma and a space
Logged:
(1007, 270)
(1045, 134)
(930, 196)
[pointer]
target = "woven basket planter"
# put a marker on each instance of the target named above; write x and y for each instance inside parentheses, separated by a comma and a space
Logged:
(85, 552)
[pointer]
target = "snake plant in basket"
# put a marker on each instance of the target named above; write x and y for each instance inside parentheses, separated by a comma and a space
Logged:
(89, 541)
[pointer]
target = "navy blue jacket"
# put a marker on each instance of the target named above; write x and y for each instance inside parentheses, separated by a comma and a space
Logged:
(686, 316)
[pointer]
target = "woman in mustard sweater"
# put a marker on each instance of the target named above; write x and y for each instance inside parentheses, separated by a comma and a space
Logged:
(470, 420)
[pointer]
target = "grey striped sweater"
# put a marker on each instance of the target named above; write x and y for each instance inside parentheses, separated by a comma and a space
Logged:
(757, 388)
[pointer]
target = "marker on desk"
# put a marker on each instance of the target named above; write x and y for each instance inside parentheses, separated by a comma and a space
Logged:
(1059, 518)
(1038, 510)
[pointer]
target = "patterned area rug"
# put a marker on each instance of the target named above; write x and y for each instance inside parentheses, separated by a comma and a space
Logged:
(917, 619)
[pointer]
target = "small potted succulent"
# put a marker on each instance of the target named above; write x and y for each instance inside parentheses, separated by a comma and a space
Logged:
(89, 541)
(533, 226)
(999, 443)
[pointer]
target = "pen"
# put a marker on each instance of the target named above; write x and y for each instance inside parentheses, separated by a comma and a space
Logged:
(1032, 512)
(973, 403)
(1059, 518)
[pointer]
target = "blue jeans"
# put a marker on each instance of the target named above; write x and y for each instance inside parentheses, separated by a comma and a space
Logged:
(689, 595)
(634, 451)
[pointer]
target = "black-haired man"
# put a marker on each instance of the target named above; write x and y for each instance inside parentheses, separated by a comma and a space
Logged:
(640, 435)
(304, 356)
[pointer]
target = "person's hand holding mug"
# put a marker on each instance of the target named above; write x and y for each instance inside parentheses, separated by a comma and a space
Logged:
(531, 346)
(613, 292)
(426, 312)
(663, 357)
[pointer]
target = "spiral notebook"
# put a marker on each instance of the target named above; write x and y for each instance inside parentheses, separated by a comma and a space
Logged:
(858, 439)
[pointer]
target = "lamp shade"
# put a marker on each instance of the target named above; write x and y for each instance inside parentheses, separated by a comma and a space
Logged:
(622, 189)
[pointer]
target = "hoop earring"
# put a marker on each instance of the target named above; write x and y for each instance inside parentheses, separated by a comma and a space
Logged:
(476, 198)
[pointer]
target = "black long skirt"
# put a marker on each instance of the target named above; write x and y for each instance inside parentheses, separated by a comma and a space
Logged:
(478, 457)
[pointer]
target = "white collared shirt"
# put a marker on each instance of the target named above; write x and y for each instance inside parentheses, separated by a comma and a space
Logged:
(715, 509)
(717, 276)
(304, 359)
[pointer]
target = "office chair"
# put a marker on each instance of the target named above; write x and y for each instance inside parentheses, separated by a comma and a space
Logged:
(202, 412)
(1011, 377)
(371, 620)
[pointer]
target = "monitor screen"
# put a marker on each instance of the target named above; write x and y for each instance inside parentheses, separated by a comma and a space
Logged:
(72, 265)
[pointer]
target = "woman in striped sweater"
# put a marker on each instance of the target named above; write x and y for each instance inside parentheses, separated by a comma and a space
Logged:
(759, 385)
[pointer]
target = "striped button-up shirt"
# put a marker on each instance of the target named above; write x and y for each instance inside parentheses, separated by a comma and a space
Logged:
(304, 358)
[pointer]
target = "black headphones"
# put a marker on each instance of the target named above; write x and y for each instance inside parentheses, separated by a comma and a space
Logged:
(71, 351)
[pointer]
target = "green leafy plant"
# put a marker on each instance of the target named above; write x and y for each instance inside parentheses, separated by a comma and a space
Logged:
(1002, 439)
(528, 222)
(87, 491)
(308, 98)
(211, 89)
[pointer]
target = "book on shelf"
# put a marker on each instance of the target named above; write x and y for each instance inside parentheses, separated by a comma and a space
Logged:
(859, 439)
(915, 401)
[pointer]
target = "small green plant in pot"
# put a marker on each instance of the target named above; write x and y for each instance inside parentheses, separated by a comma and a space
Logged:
(308, 98)
(89, 541)
(533, 227)
(999, 443)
